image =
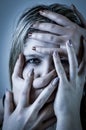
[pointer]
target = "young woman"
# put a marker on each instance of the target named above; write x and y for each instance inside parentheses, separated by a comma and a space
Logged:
(44, 82)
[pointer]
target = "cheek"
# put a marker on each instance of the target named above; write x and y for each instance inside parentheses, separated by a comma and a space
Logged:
(37, 71)
(25, 72)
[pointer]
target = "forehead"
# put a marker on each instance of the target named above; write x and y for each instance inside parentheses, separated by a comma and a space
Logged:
(32, 42)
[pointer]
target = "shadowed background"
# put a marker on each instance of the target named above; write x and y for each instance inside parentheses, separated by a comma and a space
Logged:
(10, 10)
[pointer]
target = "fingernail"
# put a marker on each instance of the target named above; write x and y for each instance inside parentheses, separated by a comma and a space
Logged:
(7, 94)
(69, 42)
(20, 55)
(41, 11)
(34, 48)
(31, 72)
(55, 53)
(55, 81)
(73, 6)
(30, 34)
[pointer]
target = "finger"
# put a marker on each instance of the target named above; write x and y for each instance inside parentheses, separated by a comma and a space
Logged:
(50, 27)
(19, 66)
(9, 105)
(82, 19)
(46, 113)
(44, 80)
(49, 38)
(58, 18)
(82, 69)
(25, 94)
(45, 94)
(47, 124)
(58, 66)
(61, 51)
(73, 63)
(37, 93)
(82, 66)
(84, 42)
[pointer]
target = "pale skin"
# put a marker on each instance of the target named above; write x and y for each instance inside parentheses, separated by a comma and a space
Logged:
(69, 95)
(61, 33)
(18, 84)
(50, 75)
(64, 111)
(46, 76)
(22, 117)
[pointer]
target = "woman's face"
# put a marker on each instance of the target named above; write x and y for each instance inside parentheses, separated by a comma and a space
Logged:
(42, 63)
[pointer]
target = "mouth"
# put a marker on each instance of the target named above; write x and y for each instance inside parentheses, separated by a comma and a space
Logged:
(36, 92)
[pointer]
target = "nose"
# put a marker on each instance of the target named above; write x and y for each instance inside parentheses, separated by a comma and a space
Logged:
(49, 66)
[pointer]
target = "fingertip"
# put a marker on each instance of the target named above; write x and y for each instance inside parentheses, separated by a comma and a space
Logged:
(7, 98)
(21, 57)
(31, 73)
(73, 7)
(69, 43)
(55, 54)
(8, 95)
(55, 81)
(42, 11)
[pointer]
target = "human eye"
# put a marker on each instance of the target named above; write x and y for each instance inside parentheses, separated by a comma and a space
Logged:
(33, 61)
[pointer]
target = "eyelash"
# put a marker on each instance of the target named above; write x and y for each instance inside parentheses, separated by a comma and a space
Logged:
(33, 61)
(36, 61)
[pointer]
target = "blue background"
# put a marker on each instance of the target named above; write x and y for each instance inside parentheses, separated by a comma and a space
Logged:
(10, 10)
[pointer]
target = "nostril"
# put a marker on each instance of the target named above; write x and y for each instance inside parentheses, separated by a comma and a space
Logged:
(37, 76)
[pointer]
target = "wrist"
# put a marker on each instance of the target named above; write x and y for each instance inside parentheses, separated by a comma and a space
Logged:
(69, 121)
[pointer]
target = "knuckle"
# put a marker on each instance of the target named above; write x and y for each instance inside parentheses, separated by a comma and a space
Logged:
(59, 40)
(24, 92)
(52, 38)
(74, 28)
(61, 72)
(40, 101)
(27, 80)
(53, 26)
(13, 77)
(40, 36)
(37, 24)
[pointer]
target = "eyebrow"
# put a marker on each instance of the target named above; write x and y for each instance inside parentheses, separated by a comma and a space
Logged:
(33, 56)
